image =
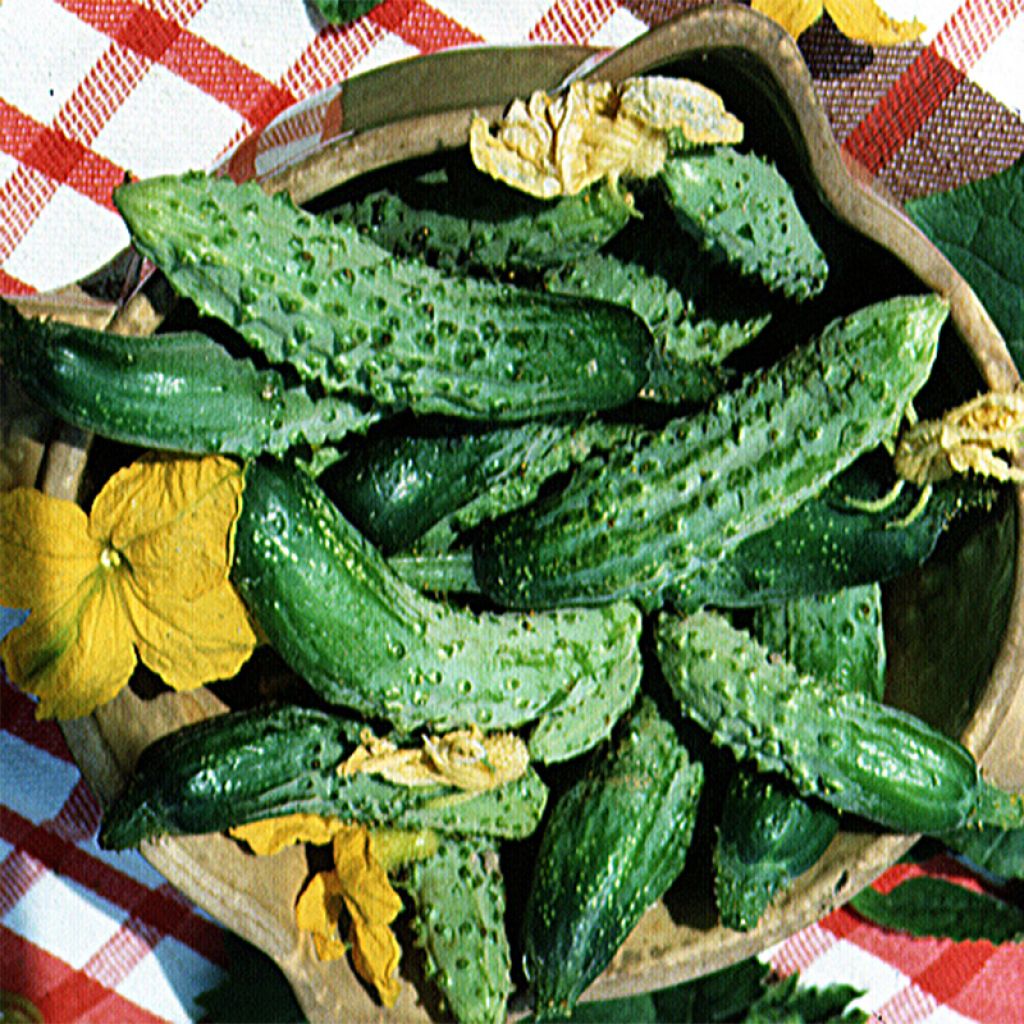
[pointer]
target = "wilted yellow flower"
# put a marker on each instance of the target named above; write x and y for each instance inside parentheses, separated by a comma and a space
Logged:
(146, 571)
(558, 145)
(862, 20)
(465, 759)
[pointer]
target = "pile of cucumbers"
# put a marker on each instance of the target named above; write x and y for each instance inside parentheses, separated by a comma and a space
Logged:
(552, 468)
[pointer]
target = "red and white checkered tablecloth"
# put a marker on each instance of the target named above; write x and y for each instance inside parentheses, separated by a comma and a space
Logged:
(92, 89)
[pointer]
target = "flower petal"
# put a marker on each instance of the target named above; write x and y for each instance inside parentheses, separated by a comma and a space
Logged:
(866, 21)
(173, 520)
(272, 834)
(45, 550)
(77, 656)
(188, 642)
(318, 910)
(795, 16)
(372, 905)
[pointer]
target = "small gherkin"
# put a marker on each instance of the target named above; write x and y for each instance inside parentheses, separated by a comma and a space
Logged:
(459, 923)
(740, 209)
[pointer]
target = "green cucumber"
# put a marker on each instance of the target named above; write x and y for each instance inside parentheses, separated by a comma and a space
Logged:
(244, 766)
(361, 637)
(347, 314)
(180, 392)
(768, 834)
(460, 220)
(685, 363)
(396, 488)
(828, 544)
(667, 504)
(459, 923)
(860, 756)
(740, 209)
(446, 572)
(613, 844)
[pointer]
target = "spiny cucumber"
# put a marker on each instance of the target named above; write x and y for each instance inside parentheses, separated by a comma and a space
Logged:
(459, 220)
(243, 766)
(361, 637)
(613, 844)
(843, 746)
(346, 313)
(768, 834)
(181, 392)
(742, 210)
(667, 503)
(459, 923)
(688, 350)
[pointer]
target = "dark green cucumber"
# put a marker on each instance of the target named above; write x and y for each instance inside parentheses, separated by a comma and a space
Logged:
(348, 314)
(739, 208)
(460, 220)
(668, 503)
(395, 489)
(827, 544)
(459, 923)
(843, 746)
(768, 834)
(180, 392)
(613, 844)
(342, 619)
(245, 766)
(685, 361)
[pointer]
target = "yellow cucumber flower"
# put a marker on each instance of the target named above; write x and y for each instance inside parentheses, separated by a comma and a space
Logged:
(146, 571)
(862, 20)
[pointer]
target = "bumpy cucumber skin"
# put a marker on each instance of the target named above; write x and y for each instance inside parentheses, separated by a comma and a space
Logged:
(335, 611)
(394, 489)
(685, 361)
(667, 504)
(768, 833)
(347, 314)
(612, 845)
(466, 222)
(842, 746)
(244, 766)
(826, 544)
(741, 209)
(838, 636)
(459, 923)
(178, 392)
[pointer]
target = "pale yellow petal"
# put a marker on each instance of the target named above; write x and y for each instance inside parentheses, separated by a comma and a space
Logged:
(189, 642)
(173, 520)
(45, 550)
(318, 910)
(273, 834)
(795, 16)
(865, 21)
(76, 657)
(697, 111)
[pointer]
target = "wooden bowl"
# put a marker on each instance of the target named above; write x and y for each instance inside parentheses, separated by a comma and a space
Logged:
(423, 106)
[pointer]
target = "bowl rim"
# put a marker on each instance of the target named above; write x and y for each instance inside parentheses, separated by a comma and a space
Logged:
(994, 730)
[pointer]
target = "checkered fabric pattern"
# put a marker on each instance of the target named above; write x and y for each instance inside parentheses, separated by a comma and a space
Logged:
(93, 89)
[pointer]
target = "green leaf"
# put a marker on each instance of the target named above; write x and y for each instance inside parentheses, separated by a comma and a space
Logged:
(980, 229)
(998, 851)
(786, 1003)
(341, 12)
(926, 906)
